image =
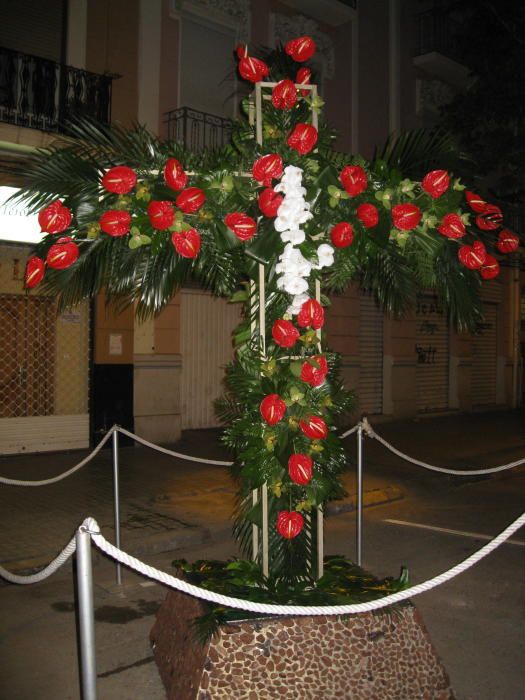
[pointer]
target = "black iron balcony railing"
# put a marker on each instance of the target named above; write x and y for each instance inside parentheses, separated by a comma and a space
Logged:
(436, 31)
(41, 94)
(197, 130)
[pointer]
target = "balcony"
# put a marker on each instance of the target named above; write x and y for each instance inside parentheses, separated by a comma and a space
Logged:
(40, 94)
(437, 48)
(197, 130)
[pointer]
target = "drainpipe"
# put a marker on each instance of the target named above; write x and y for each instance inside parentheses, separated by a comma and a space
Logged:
(516, 330)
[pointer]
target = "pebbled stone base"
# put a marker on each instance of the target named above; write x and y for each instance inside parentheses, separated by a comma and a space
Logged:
(375, 656)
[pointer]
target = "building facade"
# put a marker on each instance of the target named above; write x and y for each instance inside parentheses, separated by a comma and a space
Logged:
(169, 64)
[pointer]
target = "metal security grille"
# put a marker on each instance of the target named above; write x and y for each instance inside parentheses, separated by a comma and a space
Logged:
(484, 358)
(432, 355)
(370, 391)
(207, 324)
(44, 374)
(27, 356)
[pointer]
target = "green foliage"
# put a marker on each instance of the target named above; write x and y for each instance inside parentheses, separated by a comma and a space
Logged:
(342, 583)
(417, 151)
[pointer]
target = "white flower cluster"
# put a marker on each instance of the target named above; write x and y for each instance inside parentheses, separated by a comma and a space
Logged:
(293, 268)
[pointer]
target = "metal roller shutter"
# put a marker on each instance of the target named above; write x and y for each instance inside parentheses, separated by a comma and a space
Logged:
(370, 389)
(207, 325)
(484, 358)
(432, 355)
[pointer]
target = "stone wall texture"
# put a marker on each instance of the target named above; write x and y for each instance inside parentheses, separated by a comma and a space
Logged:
(383, 656)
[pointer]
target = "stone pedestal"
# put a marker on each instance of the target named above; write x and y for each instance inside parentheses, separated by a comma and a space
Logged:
(382, 656)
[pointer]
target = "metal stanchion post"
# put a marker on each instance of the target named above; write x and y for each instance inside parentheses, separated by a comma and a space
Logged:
(86, 616)
(359, 523)
(116, 501)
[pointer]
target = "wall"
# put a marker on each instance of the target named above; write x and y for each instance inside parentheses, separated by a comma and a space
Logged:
(112, 47)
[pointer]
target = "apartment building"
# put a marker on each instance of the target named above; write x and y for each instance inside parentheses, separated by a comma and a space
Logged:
(382, 66)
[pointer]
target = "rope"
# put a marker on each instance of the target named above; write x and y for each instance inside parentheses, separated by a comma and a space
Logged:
(46, 571)
(351, 431)
(367, 428)
(59, 477)
(165, 451)
(169, 580)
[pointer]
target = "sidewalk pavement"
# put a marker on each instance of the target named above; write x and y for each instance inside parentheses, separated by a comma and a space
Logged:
(168, 504)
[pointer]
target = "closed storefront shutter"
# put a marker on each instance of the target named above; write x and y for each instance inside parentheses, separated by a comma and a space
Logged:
(370, 391)
(207, 325)
(432, 355)
(44, 366)
(484, 358)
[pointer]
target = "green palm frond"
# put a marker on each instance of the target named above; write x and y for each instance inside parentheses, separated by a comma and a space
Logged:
(416, 151)
(391, 278)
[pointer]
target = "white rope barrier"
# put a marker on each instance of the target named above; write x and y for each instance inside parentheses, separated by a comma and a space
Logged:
(350, 432)
(43, 573)
(90, 525)
(59, 477)
(370, 432)
(367, 430)
(165, 450)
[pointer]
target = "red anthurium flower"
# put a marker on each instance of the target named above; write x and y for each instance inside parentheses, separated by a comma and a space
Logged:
(174, 175)
(55, 218)
(285, 333)
(451, 226)
(314, 428)
(160, 214)
(311, 315)
(472, 256)
(190, 200)
(354, 180)
(405, 217)
(35, 269)
(242, 225)
(62, 254)
(300, 49)
(253, 69)
(284, 95)
(342, 234)
(436, 183)
(368, 215)
(303, 138)
(508, 241)
(268, 168)
(187, 243)
(476, 203)
(241, 51)
(272, 409)
(289, 523)
(303, 77)
(300, 469)
(269, 202)
(490, 268)
(115, 222)
(490, 219)
(315, 374)
(119, 180)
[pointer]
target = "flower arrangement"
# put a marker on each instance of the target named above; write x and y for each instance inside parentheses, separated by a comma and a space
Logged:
(266, 221)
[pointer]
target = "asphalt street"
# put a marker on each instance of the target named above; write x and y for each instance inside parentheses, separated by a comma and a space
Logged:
(172, 508)
(475, 621)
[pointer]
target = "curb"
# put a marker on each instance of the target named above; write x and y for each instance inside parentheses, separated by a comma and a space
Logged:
(375, 497)
(174, 540)
(169, 541)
